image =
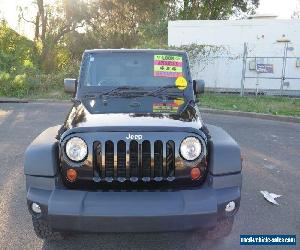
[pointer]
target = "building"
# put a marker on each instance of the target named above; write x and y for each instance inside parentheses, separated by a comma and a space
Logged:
(269, 63)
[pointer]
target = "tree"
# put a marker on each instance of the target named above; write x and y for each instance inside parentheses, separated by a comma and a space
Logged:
(120, 23)
(296, 13)
(115, 24)
(155, 32)
(17, 61)
(52, 23)
(16, 51)
(215, 9)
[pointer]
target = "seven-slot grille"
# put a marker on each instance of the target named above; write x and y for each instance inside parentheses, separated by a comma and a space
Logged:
(133, 160)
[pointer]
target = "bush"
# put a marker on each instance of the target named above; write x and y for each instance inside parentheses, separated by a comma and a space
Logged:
(4, 79)
(13, 86)
(22, 85)
(4, 76)
(19, 85)
(31, 83)
(20, 70)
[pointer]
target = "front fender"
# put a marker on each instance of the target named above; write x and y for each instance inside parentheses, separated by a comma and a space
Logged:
(223, 152)
(41, 156)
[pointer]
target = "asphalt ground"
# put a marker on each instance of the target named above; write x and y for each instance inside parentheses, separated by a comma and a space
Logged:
(271, 152)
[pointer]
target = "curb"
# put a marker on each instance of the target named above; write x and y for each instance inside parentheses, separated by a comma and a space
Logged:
(203, 109)
(12, 100)
(17, 100)
(251, 115)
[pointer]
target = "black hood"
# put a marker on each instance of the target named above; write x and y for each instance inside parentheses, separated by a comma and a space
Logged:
(86, 117)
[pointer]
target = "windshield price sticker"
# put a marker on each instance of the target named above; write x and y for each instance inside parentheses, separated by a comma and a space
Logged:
(171, 107)
(167, 66)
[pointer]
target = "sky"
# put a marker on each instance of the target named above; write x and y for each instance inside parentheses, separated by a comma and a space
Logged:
(282, 8)
(8, 9)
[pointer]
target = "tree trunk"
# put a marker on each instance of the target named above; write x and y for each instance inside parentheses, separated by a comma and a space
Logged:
(185, 9)
(37, 27)
(41, 9)
(45, 58)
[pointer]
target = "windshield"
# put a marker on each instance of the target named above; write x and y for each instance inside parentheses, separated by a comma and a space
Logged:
(133, 69)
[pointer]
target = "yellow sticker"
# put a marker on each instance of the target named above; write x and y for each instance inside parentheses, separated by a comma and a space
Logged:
(179, 101)
(181, 83)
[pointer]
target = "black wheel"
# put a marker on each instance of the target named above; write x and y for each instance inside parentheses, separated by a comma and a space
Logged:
(44, 231)
(222, 229)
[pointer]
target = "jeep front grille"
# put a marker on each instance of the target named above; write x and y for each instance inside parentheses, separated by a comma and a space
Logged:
(133, 161)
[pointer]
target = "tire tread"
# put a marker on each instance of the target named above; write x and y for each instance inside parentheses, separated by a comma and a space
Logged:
(44, 231)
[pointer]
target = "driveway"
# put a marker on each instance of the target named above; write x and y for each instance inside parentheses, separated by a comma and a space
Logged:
(271, 152)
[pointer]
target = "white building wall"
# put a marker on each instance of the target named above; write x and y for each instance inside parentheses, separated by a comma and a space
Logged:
(261, 35)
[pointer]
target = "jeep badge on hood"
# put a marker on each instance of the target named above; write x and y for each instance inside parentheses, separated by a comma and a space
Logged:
(134, 137)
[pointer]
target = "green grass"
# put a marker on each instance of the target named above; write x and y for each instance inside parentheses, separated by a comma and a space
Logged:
(259, 104)
(55, 94)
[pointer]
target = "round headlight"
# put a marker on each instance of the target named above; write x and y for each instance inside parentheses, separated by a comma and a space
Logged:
(190, 148)
(76, 149)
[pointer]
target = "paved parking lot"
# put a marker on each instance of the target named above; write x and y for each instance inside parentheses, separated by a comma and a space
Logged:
(271, 152)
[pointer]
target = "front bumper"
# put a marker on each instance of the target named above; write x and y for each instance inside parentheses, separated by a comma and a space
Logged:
(152, 211)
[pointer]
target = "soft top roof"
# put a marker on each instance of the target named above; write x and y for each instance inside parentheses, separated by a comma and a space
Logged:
(135, 50)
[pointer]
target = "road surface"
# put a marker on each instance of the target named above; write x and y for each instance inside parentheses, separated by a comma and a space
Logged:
(271, 152)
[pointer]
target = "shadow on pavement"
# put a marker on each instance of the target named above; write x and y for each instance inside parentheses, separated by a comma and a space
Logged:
(134, 241)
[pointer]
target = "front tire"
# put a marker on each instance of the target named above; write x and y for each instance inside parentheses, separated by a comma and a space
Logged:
(44, 231)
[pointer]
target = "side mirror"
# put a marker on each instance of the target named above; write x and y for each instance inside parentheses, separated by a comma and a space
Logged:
(70, 85)
(198, 86)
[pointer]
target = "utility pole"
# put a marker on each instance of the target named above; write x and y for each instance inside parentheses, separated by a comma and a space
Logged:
(286, 43)
(245, 54)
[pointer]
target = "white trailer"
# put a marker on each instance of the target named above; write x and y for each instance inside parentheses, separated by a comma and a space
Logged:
(271, 62)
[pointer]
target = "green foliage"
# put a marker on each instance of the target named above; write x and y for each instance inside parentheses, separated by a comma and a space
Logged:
(4, 76)
(63, 30)
(16, 85)
(17, 60)
(20, 73)
(215, 9)
(119, 23)
(37, 84)
(16, 52)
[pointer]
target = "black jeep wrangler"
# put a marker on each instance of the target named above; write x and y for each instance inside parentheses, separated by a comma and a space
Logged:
(133, 154)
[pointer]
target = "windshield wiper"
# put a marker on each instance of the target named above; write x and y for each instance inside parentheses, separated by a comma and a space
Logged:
(88, 95)
(134, 91)
(112, 92)
(127, 91)
(160, 91)
(118, 89)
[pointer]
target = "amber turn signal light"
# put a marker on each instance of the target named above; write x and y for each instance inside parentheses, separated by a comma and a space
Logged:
(195, 174)
(71, 175)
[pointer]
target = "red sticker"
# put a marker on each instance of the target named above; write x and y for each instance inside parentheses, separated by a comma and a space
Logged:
(170, 107)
